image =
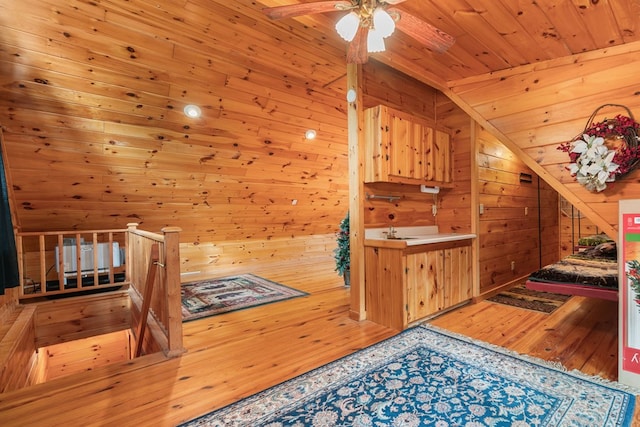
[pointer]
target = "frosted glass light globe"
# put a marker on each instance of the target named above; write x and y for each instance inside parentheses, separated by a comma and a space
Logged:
(347, 26)
(383, 22)
(375, 41)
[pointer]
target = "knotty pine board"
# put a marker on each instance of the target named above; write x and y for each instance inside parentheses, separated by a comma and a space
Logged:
(85, 354)
(545, 106)
(65, 320)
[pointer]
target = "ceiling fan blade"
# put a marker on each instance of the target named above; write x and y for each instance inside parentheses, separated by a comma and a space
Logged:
(357, 53)
(288, 11)
(423, 32)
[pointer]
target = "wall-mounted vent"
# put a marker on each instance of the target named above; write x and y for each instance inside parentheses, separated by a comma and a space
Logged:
(526, 177)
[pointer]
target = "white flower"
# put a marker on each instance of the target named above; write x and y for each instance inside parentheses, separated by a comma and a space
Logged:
(594, 167)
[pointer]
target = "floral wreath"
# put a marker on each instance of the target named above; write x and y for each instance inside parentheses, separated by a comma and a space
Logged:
(604, 151)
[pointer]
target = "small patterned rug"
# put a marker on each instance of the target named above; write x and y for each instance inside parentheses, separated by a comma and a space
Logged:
(520, 296)
(426, 376)
(215, 296)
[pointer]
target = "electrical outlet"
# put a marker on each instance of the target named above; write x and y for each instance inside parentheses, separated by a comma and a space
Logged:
(513, 266)
(481, 208)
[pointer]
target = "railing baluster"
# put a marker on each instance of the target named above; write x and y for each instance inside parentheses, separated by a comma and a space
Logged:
(21, 277)
(96, 264)
(43, 268)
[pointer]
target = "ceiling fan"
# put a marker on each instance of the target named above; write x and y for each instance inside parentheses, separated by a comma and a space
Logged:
(368, 23)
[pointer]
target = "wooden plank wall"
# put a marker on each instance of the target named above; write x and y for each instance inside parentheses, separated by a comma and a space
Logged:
(549, 224)
(18, 357)
(456, 205)
(382, 85)
(573, 226)
(99, 139)
(69, 319)
(8, 302)
(85, 354)
(533, 109)
(515, 223)
(103, 134)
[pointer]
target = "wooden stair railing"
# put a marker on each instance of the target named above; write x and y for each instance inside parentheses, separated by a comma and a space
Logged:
(146, 299)
(153, 309)
(163, 311)
(40, 252)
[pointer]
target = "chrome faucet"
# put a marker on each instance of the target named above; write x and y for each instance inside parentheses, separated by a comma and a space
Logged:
(391, 234)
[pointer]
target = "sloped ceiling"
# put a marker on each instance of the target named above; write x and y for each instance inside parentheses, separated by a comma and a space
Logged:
(531, 72)
(92, 93)
(494, 35)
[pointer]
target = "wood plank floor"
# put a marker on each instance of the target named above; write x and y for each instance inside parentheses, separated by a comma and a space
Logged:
(234, 355)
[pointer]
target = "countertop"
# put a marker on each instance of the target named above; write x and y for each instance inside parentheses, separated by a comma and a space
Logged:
(411, 236)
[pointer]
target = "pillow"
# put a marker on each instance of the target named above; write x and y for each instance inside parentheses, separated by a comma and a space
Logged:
(606, 250)
(594, 240)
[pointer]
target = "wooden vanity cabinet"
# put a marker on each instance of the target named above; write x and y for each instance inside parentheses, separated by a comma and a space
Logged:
(409, 284)
(405, 149)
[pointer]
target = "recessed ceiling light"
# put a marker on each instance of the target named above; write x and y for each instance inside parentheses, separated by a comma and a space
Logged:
(192, 111)
(310, 134)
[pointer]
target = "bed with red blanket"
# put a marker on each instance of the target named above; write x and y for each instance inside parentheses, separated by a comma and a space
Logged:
(591, 273)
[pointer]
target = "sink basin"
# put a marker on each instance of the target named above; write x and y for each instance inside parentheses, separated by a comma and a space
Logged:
(400, 238)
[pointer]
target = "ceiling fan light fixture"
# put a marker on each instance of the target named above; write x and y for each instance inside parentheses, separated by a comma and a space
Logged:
(383, 22)
(375, 41)
(347, 26)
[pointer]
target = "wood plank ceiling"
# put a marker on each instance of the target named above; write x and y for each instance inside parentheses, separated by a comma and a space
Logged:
(531, 72)
(92, 92)
(493, 35)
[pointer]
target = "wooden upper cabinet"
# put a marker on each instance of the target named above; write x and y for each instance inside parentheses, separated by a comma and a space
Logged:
(405, 149)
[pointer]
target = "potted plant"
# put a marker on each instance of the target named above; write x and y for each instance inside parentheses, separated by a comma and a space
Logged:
(341, 253)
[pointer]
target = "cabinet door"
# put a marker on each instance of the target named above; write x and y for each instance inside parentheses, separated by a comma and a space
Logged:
(425, 284)
(406, 157)
(438, 158)
(384, 290)
(457, 275)
(377, 150)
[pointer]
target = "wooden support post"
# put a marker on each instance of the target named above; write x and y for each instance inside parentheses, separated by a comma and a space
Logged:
(174, 299)
(475, 205)
(131, 227)
(355, 121)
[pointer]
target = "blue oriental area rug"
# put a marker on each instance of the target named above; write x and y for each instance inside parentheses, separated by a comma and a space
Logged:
(216, 296)
(428, 377)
